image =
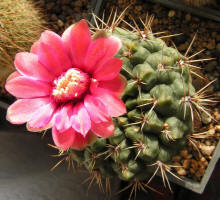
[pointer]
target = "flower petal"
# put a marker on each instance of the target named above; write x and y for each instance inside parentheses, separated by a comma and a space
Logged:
(93, 84)
(80, 119)
(49, 58)
(114, 104)
(41, 119)
(23, 87)
(55, 42)
(101, 50)
(116, 85)
(103, 129)
(22, 110)
(35, 47)
(62, 118)
(109, 70)
(96, 109)
(77, 39)
(66, 38)
(27, 64)
(80, 142)
(13, 75)
(64, 139)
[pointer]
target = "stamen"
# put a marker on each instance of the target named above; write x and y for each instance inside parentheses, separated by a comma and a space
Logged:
(70, 85)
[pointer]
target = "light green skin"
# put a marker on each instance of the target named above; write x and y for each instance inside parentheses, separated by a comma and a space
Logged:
(167, 88)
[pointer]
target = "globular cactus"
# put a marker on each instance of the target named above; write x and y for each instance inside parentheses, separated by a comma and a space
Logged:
(161, 103)
(20, 25)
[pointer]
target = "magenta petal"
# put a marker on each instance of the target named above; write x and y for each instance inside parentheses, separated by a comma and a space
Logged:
(93, 84)
(62, 118)
(114, 104)
(64, 139)
(49, 58)
(77, 39)
(55, 42)
(95, 53)
(101, 50)
(27, 64)
(41, 118)
(13, 75)
(103, 129)
(109, 70)
(80, 119)
(96, 109)
(23, 87)
(35, 47)
(22, 110)
(116, 85)
(67, 39)
(80, 142)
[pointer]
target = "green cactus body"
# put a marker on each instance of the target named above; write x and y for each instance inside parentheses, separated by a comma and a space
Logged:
(157, 123)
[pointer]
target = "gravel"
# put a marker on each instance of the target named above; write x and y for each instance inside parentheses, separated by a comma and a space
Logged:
(61, 14)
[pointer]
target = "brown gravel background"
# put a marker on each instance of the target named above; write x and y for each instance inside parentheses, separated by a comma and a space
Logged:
(60, 14)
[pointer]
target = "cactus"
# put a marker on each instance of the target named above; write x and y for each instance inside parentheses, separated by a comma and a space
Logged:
(20, 25)
(161, 102)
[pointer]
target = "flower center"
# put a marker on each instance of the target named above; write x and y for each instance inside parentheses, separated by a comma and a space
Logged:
(71, 85)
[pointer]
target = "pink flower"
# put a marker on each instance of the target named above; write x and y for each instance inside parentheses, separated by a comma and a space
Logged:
(70, 84)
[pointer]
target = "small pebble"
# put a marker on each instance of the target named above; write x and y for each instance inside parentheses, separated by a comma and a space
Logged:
(192, 171)
(181, 172)
(188, 17)
(206, 163)
(203, 159)
(217, 128)
(53, 17)
(186, 164)
(211, 131)
(198, 174)
(171, 13)
(60, 23)
(176, 158)
(207, 150)
(206, 119)
(194, 164)
(208, 143)
(184, 153)
(202, 170)
(189, 156)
